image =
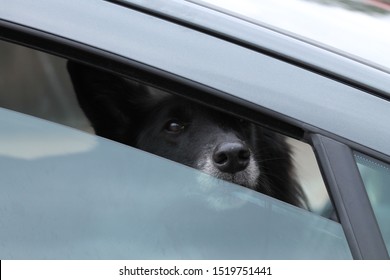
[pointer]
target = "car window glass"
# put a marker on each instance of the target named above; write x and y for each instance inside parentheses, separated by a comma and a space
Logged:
(70, 195)
(376, 178)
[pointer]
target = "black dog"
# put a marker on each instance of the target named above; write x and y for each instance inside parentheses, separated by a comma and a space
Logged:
(186, 132)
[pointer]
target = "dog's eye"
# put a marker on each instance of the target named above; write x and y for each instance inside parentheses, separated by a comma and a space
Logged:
(174, 126)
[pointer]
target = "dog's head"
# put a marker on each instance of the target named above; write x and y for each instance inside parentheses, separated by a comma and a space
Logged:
(197, 136)
(183, 131)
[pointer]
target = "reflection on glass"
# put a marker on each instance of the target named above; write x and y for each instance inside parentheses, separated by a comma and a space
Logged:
(376, 178)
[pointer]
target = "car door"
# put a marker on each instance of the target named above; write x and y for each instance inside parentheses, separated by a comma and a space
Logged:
(249, 82)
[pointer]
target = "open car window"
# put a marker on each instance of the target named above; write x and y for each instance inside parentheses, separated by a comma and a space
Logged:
(39, 84)
(75, 194)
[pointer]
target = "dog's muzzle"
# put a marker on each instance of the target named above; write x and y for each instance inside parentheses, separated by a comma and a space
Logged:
(231, 161)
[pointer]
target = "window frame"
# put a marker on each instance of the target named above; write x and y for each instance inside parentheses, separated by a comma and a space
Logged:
(333, 155)
(346, 188)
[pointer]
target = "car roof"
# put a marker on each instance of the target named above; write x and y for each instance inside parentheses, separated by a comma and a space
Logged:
(223, 53)
(359, 35)
(271, 38)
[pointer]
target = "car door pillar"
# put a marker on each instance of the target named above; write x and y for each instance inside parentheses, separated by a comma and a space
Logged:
(350, 198)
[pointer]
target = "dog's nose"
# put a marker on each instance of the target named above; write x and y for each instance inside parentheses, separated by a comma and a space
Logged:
(231, 157)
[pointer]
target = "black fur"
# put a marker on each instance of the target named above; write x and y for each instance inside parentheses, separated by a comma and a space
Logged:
(186, 132)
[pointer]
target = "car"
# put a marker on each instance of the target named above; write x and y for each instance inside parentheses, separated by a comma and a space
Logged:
(69, 194)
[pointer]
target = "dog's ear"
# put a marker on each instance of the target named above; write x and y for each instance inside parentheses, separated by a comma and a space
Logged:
(106, 99)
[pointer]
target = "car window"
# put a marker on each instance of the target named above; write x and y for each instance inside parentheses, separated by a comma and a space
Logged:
(376, 178)
(38, 84)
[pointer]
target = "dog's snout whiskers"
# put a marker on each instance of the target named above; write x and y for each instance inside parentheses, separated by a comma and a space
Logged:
(237, 165)
(231, 157)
